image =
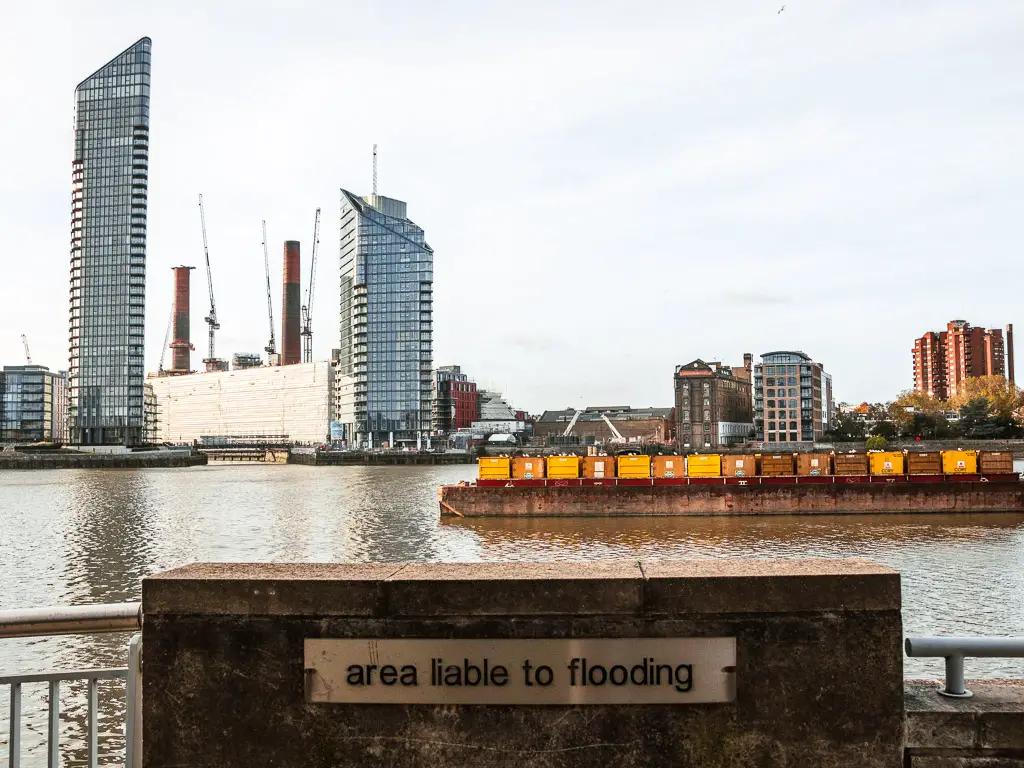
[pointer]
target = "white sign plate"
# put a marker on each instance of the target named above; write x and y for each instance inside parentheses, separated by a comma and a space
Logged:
(583, 671)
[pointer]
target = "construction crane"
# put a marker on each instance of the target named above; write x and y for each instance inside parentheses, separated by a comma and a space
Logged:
(575, 418)
(307, 308)
(271, 348)
(211, 319)
(28, 355)
(167, 340)
(617, 436)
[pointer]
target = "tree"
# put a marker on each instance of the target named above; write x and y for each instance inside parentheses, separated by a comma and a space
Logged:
(1003, 402)
(846, 428)
(884, 429)
(980, 419)
(875, 443)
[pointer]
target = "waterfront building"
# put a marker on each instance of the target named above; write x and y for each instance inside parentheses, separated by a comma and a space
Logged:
(33, 404)
(385, 360)
(455, 403)
(292, 403)
(643, 425)
(713, 403)
(108, 250)
(792, 398)
(943, 360)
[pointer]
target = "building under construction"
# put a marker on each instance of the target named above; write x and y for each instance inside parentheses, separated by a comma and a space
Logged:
(294, 401)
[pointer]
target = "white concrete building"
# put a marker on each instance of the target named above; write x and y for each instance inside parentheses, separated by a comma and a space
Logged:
(294, 402)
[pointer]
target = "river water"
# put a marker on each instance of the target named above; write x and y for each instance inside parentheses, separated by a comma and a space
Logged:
(90, 536)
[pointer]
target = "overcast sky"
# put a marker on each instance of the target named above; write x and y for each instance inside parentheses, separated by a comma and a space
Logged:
(610, 188)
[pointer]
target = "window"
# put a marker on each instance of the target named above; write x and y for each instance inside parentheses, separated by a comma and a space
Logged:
(792, 425)
(770, 393)
(771, 425)
(792, 403)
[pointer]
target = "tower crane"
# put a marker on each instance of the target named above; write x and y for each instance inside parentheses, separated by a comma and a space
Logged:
(307, 307)
(167, 339)
(211, 319)
(271, 348)
(28, 355)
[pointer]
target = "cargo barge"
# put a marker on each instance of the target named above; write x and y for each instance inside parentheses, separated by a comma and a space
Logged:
(786, 484)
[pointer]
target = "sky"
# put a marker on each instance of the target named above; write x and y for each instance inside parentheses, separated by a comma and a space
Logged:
(611, 189)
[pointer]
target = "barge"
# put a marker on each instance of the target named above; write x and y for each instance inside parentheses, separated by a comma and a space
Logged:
(886, 483)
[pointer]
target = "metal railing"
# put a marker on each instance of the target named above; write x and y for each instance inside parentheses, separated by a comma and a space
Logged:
(955, 649)
(71, 620)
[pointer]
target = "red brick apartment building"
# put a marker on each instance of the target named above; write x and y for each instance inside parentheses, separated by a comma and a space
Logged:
(943, 360)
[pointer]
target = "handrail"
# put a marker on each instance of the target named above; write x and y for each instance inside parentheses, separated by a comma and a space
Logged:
(955, 649)
(71, 620)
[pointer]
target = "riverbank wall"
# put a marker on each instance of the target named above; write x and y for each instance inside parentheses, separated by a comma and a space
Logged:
(345, 458)
(139, 460)
(711, 500)
(641, 664)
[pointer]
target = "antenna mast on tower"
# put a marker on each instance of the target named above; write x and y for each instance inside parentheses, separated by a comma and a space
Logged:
(374, 170)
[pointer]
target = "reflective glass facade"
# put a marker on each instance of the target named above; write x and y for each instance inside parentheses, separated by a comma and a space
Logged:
(33, 404)
(386, 352)
(792, 398)
(108, 250)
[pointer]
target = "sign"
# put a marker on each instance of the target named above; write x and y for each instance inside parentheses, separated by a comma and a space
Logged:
(576, 671)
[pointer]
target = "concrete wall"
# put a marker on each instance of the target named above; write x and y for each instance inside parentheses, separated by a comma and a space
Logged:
(818, 670)
(295, 400)
(864, 498)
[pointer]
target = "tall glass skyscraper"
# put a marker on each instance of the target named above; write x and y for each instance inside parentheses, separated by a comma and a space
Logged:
(108, 251)
(384, 364)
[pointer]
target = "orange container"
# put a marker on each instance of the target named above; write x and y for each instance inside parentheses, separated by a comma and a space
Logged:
(851, 463)
(528, 467)
(739, 465)
(813, 464)
(778, 465)
(669, 466)
(599, 466)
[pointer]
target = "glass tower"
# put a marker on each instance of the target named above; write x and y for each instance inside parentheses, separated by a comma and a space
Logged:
(108, 251)
(384, 379)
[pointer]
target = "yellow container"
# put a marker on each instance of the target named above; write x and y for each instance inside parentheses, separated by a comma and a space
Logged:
(528, 468)
(495, 467)
(599, 467)
(634, 466)
(885, 463)
(563, 467)
(669, 466)
(704, 465)
(959, 462)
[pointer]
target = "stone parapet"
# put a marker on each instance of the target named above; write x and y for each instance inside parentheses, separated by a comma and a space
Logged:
(818, 663)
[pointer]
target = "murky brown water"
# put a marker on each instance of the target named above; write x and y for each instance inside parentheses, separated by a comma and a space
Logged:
(89, 536)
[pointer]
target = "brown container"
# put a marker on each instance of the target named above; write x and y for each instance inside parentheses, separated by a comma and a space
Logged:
(850, 463)
(919, 463)
(813, 464)
(777, 465)
(996, 462)
(599, 466)
(740, 465)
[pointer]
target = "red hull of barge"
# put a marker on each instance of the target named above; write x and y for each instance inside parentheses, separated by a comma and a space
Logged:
(756, 496)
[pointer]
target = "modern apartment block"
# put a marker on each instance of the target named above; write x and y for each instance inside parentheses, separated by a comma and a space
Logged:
(455, 403)
(713, 403)
(108, 251)
(943, 360)
(792, 398)
(385, 361)
(33, 404)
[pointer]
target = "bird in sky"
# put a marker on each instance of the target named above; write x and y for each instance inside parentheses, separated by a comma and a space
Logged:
(781, 10)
